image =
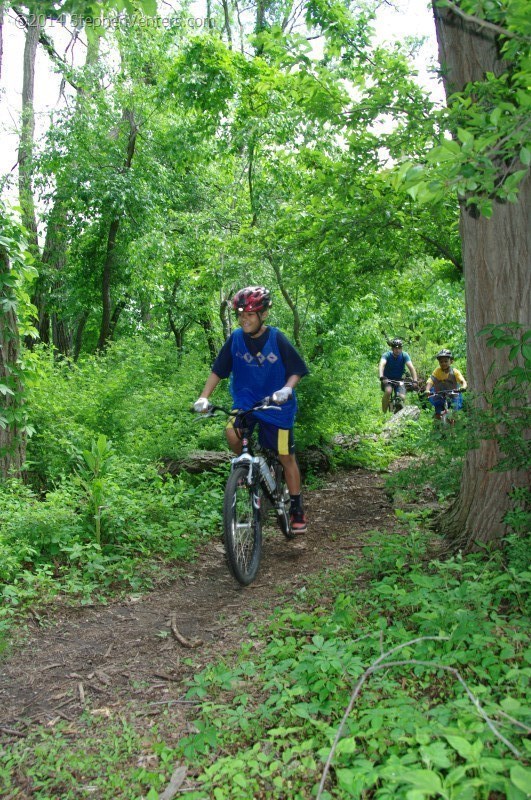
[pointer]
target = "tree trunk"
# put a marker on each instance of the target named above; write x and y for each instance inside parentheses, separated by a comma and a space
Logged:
(27, 134)
(289, 300)
(55, 249)
(106, 283)
(496, 261)
(208, 328)
(25, 162)
(119, 307)
(12, 440)
(78, 338)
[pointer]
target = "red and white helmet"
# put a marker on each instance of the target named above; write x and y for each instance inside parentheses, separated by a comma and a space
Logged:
(252, 298)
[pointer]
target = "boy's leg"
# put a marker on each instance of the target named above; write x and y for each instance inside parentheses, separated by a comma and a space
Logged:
(233, 433)
(281, 440)
(438, 405)
(292, 473)
(233, 439)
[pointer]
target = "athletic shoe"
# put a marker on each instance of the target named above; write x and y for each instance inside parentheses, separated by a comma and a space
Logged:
(298, 521)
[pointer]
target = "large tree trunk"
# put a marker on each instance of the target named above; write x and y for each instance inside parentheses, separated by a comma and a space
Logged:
(12, 440)
(497, 260)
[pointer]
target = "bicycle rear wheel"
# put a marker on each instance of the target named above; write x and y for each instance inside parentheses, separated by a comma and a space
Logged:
(282, 504)
(398, 402)
(242, 529)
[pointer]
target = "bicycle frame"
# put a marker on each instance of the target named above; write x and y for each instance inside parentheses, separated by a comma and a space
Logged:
(398, 400)
(250, 477)
(446, 395)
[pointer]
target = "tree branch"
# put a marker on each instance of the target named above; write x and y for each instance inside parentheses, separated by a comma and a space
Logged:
(378, 665)
(482, 23)
(50, 49)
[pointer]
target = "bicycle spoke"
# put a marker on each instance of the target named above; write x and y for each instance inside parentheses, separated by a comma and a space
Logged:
(242, 527)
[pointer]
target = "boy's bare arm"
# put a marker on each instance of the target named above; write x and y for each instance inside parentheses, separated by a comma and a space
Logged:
(210, 384)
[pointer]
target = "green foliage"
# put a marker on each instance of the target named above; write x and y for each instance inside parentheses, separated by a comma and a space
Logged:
(414, 724)
(489, 152)
(507, 416)
(99, 512)
(16, 276)
(446, 711)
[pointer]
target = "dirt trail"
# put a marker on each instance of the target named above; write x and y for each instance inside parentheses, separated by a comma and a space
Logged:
(125, 658)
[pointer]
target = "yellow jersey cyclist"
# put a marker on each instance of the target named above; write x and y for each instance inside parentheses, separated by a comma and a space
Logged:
(445, 378)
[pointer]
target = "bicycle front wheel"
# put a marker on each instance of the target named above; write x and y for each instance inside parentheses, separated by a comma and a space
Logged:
(242, 529)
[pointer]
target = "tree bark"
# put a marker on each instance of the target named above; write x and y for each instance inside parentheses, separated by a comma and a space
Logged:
(496, 261)
(12, 440)
(25, 164)
(289, 300)
(208, 328)
(106, 283)
(78, 338)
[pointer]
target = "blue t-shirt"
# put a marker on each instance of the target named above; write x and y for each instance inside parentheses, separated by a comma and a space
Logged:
(258, 367)
(292, 361)
(396, 365)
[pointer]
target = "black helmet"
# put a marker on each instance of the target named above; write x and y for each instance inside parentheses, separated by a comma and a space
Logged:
(252, 298)
(395, 342)
(444, 354)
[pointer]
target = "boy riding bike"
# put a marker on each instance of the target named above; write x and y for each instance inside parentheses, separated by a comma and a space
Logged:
(261, 362)
(445, 379)
(392, 366)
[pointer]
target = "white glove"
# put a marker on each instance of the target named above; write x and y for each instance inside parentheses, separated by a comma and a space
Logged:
(201, 405)
(282, 395)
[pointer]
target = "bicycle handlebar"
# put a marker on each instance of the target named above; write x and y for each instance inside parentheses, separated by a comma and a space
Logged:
(263, 405)
(444, 392)
(407, 382)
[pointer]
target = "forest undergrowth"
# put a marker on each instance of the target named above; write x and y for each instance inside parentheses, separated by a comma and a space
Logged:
(400, 673)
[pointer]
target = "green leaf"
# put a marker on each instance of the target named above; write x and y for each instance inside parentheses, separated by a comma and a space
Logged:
(463, 747)
(424, 779)
(465, 136)
(521, 777)
(149, 7)
(525, 156)
(451, 145)
(514, 179)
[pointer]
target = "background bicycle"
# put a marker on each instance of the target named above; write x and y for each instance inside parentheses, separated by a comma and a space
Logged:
(450, 402)
(255, 484)
(398, 398)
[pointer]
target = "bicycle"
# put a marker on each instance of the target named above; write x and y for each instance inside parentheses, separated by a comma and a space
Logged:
(448, 410)
(252, 480)
(398, 400)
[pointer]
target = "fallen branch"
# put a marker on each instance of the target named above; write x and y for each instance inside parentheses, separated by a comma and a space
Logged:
(180, 638)
(12, 732)
(378, 665)
(174, 785)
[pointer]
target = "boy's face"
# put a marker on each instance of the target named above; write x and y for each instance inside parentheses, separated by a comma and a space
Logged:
(251, 322)
(444, 363)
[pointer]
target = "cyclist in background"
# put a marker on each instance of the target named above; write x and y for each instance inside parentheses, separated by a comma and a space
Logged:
(392, 366)
(443, 379)
(262, 362)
